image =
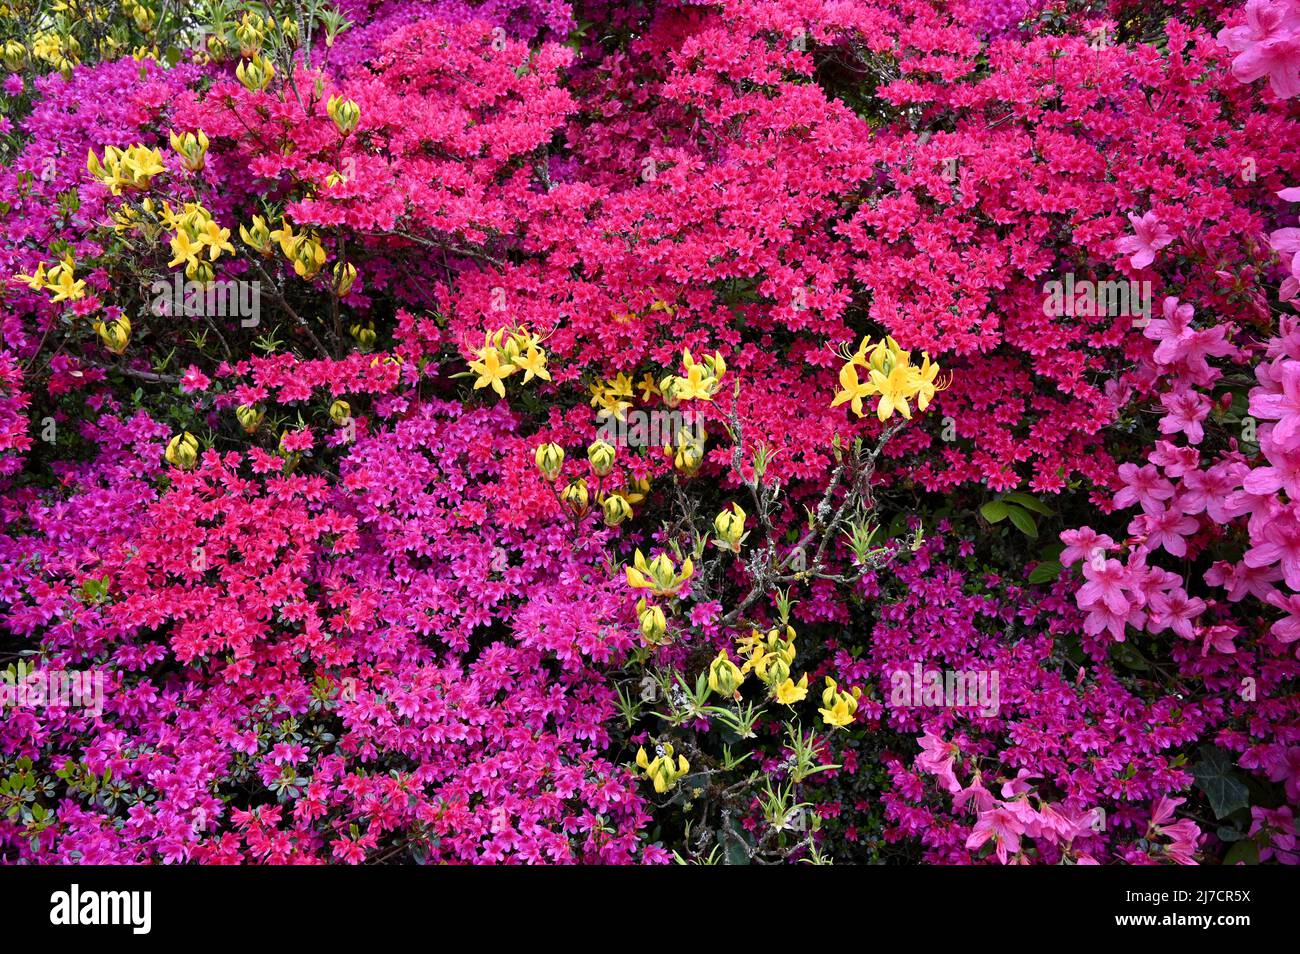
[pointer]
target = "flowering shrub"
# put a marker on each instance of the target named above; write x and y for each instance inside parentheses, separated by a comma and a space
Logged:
(747, 432)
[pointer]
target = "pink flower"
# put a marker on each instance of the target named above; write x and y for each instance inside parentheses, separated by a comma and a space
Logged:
(936, 758)
(1280, 402)
(1151, 236)
(1185, 410)
(1165, 528)
(1287, 629)
(1143, 485)
(1174, 610)
(1279, 543)
(1083, 544)
(1267, 45)
(1208, 491)
(1000, 824)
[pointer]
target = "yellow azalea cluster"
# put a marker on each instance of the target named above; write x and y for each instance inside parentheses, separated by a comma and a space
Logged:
(132, 168)
(182, 450)
(303, 250)
(192, 148)
(61, 51)
(890, 375)
(612, 398)
(61, 280)
(659, 575)
(115, 334)
(769, 656)
(700, 382)
(198, 240)
(838, 707)
(504, 352)
(662, 771)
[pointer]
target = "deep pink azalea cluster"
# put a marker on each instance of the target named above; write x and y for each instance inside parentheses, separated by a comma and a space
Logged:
(358, 625)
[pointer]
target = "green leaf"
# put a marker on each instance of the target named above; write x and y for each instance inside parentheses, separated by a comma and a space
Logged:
(1046, 572)
(1225, 792)
(1245, 850)
(994, 511)
(1029, 503)
(1023, 521)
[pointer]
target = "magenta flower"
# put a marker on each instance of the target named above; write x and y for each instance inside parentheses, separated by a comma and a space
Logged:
(1143, 485)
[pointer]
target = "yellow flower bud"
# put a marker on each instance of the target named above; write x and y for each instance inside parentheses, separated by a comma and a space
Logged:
(654, 624)
(730, 527)
(192, 148)
(364, 334)
(601, 456)
(340, 412)
(345, 113)
(725, 676)
(114, 334)
(345, 274)
(183, 451)
(14, 54)
(258, 237)
(550, 459)
(249, 417)
(255, 74)
(576, 496)
(616, 510)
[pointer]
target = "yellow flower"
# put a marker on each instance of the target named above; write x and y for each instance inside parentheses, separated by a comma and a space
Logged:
(663, 772)
(532, 363)
(725, 677)
(62, 280)
(838, 708)
(549, 459)
(790, 692)
(491, 371)
(852, 390)
(659, 576)
(895, 389)
(647, 387)
(120, 169)
(182, 451)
